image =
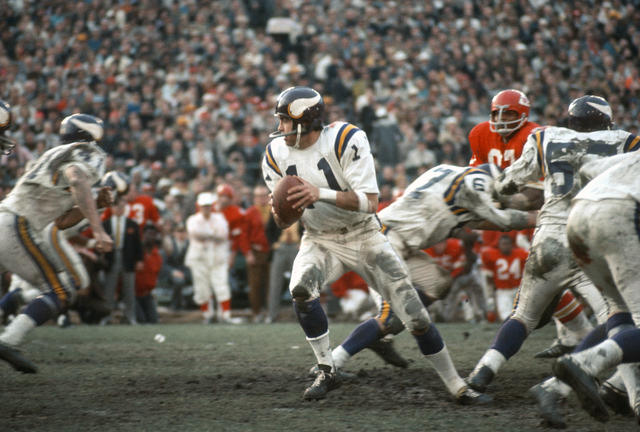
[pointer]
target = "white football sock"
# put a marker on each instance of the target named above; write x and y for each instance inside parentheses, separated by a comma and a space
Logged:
(575, 330)
(442, 363)
(600, 357)
(630, 375)
(15, 332)
(493, 359)
(556, 386)
(321, 346)
(340, 356)
(616, 381)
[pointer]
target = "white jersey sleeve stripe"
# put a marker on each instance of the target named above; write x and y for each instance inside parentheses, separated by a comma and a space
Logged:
(342, 138)
(631, 144)
(271, 162)
(539, 137)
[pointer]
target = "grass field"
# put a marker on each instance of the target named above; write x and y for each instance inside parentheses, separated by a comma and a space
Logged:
(251, 378)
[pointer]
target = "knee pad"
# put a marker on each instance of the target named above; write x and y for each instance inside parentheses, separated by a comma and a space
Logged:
(300, 295)
(419, 324)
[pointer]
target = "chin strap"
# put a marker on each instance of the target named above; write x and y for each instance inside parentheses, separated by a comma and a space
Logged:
(297, 144)
(6, 145)
(299, 132)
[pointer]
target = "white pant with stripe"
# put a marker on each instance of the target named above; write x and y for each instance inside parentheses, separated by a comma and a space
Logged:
(43, 259)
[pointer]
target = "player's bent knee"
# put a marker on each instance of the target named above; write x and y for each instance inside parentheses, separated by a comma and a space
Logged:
(419, 325)
(395, 326)
(300, 295)
(391, 325)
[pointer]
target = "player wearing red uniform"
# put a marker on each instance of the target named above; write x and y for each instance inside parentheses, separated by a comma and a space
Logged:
(500, 141)
(466, 292)
(449, 255)
(140, 208)
(505, 264)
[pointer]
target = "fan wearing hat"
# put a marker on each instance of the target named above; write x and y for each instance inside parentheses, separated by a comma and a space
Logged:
(208, 258)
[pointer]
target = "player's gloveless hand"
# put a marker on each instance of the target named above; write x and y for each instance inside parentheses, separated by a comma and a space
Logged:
(103, 241)
(304, 195)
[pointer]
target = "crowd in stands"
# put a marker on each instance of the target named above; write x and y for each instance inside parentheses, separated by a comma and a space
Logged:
(187, 88)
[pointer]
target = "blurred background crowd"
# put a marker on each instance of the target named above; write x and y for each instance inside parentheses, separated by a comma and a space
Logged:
(187, 88)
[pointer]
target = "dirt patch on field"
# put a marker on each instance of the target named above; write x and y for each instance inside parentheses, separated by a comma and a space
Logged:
(251, 378)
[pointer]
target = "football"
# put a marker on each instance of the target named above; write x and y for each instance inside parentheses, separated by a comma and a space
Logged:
(281, 206)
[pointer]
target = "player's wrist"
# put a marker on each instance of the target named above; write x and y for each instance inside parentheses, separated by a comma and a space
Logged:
(364, 206)
(327, 195)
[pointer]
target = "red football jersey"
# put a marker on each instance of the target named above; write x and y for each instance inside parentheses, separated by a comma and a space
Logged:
(141, 210)
(488, 147)
(452, 258)
(506, 270)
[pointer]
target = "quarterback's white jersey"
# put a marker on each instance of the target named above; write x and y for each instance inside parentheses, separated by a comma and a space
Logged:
(340, 160)
(619, 178)
(557, 153)
(442, 199)
(42, 193)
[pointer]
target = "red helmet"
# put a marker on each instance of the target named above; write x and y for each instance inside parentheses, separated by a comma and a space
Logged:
(508, 100)
(224, 190)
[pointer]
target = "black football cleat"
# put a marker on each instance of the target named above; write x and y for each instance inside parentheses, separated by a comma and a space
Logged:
(387, 352)
(556, 350)
(325, 382)
(481, 379)
(548, 404)
(584, 385)
(616, 399)
(16, 359)
(468, 396)
(343, 375)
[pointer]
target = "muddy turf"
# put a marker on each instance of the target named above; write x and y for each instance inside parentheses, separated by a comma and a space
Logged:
(251, 378)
